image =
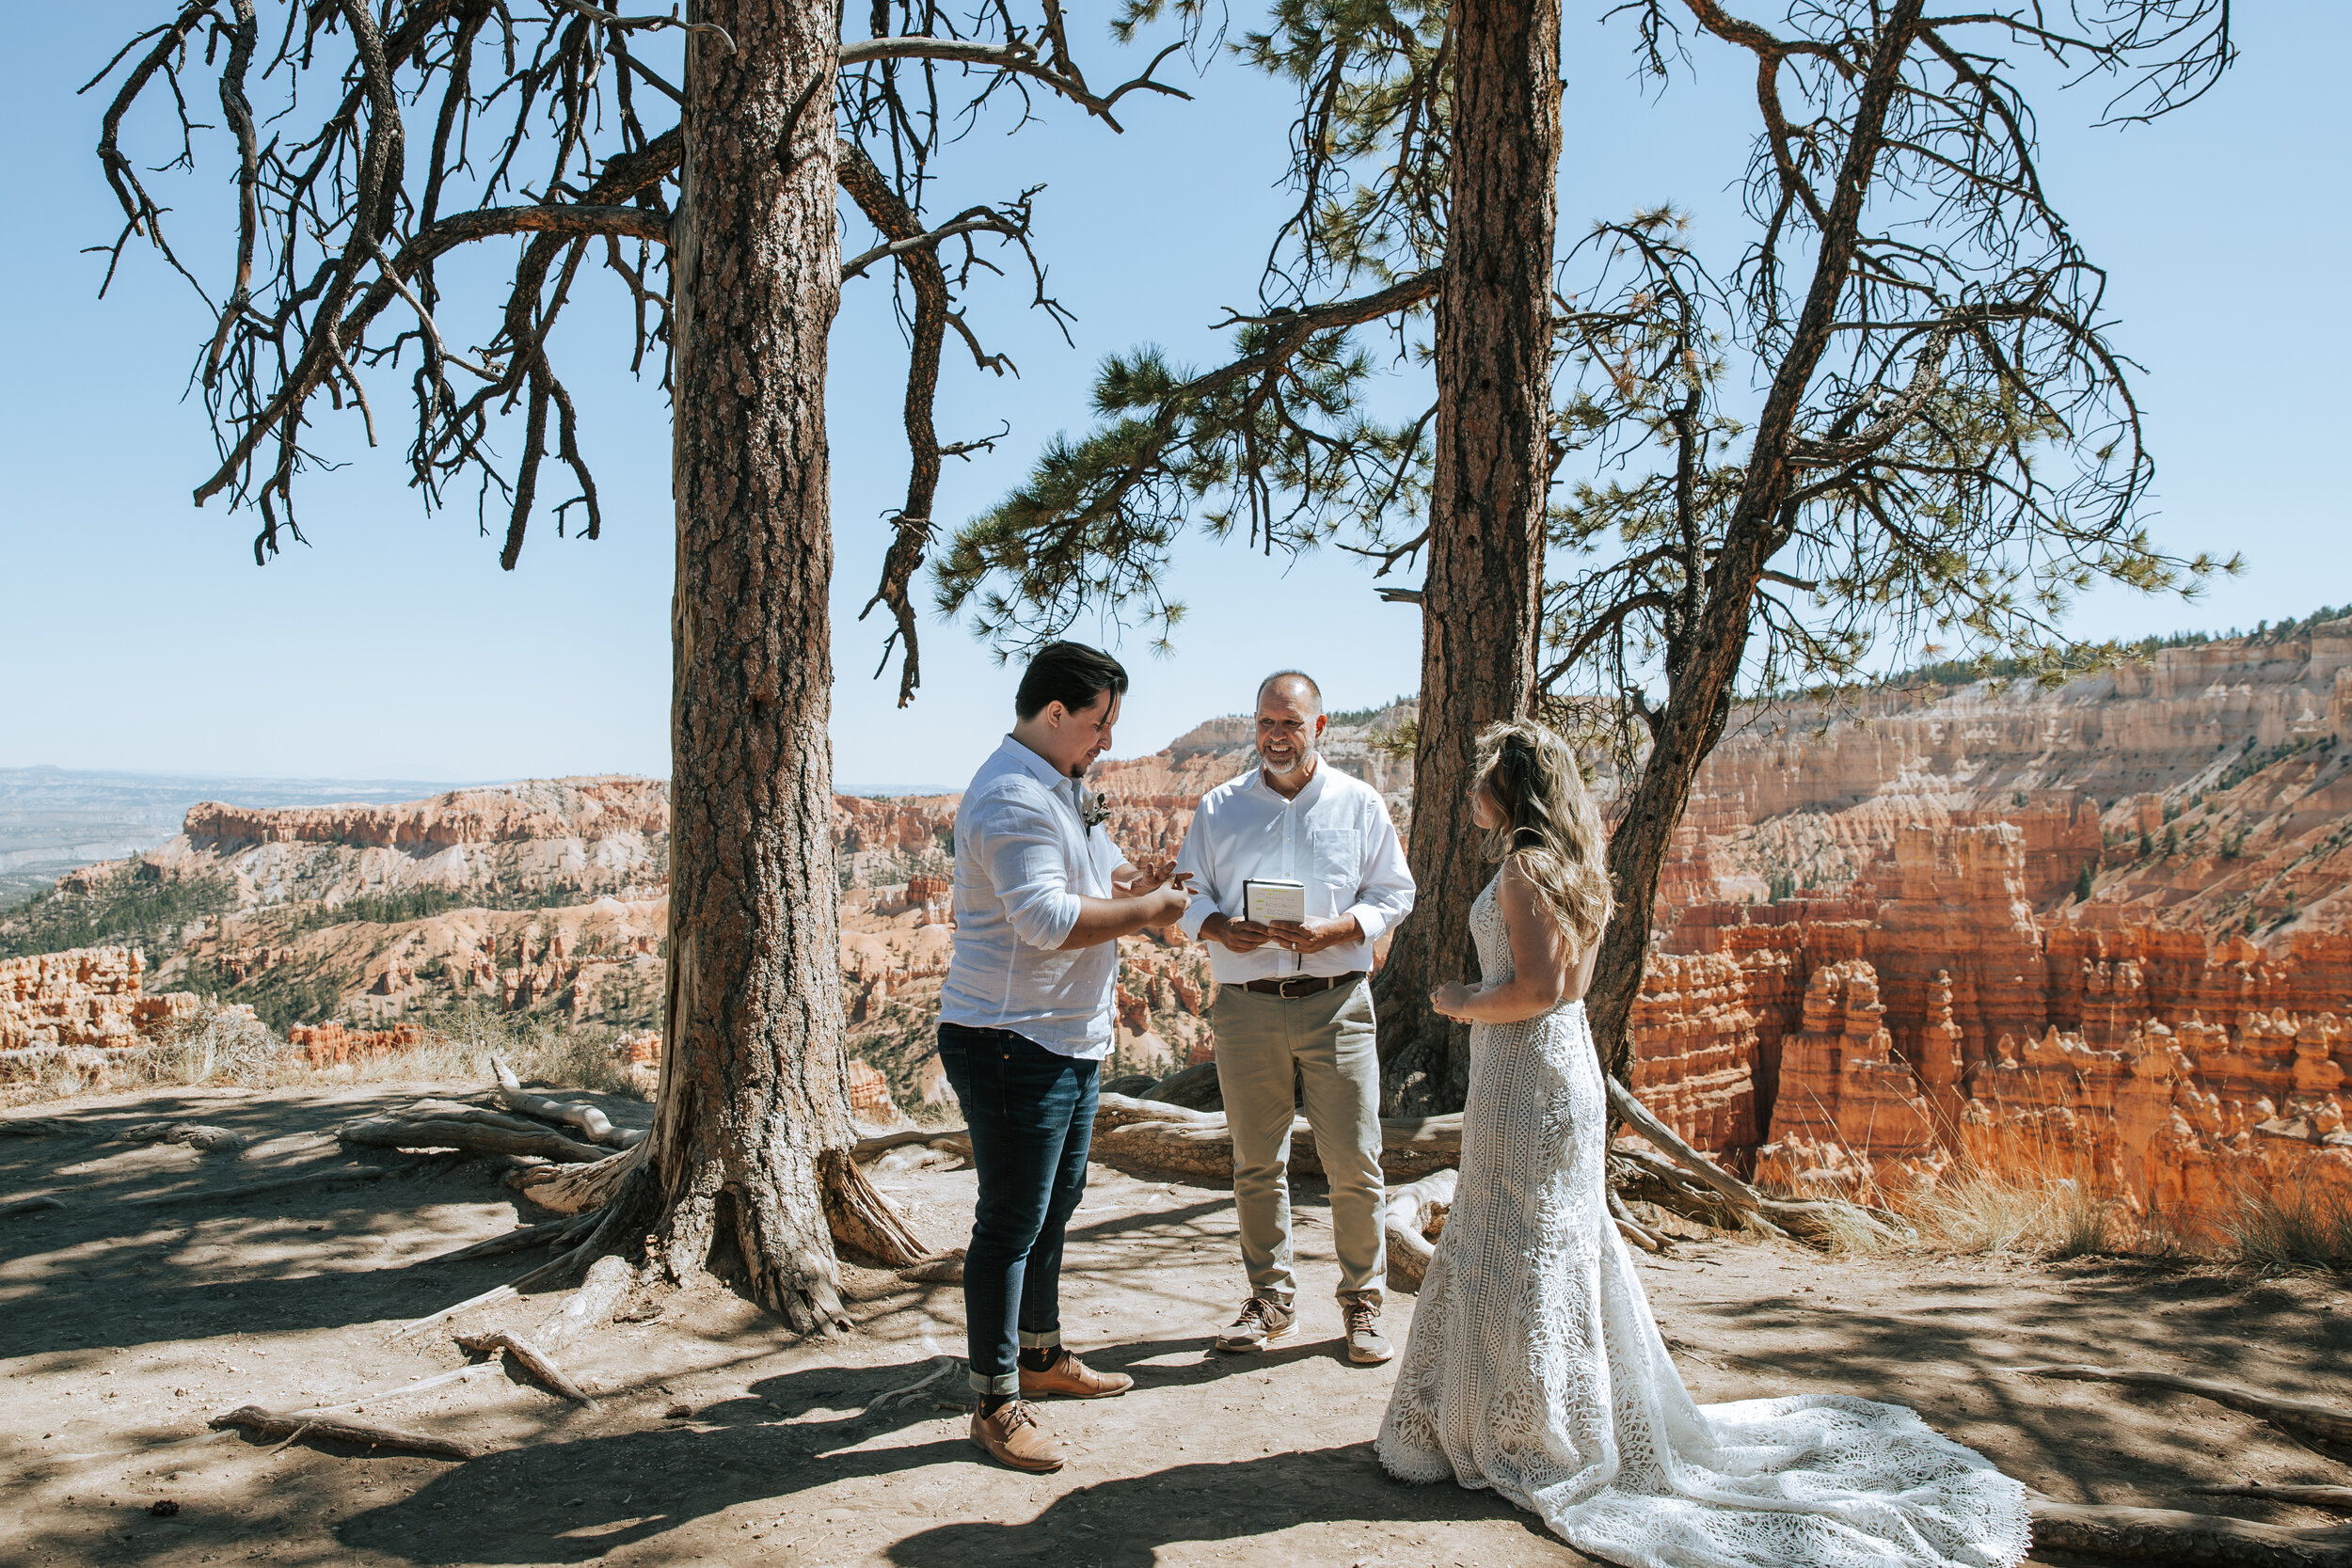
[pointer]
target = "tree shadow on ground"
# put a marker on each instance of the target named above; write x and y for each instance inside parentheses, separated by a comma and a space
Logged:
(1124, 1523)
(572, 1499)
(1957, 1360)
(114, 1267)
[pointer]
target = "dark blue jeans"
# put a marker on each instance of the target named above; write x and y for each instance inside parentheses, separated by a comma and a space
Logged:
(1031, 1115)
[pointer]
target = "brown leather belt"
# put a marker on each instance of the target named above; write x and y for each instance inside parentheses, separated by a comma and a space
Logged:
(1296, 986)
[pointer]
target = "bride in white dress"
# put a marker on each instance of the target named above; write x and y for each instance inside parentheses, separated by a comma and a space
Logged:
(1535, 1366)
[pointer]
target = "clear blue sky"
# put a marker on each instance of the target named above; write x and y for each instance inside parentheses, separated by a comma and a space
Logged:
(141, 636)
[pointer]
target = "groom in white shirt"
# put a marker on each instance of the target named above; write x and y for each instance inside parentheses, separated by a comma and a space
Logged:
(1043, 896)
(1295, 998)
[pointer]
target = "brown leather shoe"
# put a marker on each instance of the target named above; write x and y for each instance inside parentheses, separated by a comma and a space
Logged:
(1013, 1437)
(1073, 1379)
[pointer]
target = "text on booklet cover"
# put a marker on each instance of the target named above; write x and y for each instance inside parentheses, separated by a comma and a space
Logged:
(1268, 899)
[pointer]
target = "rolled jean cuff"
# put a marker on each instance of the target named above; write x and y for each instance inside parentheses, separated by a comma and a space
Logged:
(1044, 1339)
(983, 1384)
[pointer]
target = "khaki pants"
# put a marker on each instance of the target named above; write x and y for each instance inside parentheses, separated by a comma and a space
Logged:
(1329, 1038)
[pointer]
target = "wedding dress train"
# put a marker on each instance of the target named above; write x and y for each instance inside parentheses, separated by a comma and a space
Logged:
(1535, 1367)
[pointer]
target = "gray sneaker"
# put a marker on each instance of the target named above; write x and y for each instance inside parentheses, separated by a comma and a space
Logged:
(1263, 1322)
(1366, 1345)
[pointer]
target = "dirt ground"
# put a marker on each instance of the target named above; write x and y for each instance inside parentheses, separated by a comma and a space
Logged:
(125, 1323)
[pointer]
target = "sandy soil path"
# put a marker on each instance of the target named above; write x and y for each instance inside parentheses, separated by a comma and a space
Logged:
(124, 1323)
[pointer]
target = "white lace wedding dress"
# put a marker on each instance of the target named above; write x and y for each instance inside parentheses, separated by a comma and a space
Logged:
(1535, 1368)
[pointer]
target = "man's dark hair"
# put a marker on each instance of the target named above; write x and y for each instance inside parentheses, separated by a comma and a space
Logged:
(1069, 674)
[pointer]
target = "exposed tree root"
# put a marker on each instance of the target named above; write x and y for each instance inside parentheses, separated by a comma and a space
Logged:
(531, 1358)
(2293, 1415)
(205, 1140)
(2183, 1540)
(1631, 1229)
(1816, 1220)
(265, 1423)
(530, 1236)
(861, 1218)
(593, 1124)
(476, 1131)
(2335, 1498)
(1654, 1179)
(1406, 1217)
(608, 1280)
(30, 1206)
(574, 1189)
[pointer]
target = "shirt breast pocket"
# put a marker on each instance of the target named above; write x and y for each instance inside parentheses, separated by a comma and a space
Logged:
(1339, 856)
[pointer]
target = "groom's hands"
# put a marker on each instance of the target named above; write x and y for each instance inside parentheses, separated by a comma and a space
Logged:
(1155, 871)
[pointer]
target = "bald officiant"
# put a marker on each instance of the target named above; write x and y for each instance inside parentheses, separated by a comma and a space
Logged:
(1294, 997)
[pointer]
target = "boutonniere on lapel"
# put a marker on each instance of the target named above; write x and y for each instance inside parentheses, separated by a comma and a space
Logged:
(1093, 811)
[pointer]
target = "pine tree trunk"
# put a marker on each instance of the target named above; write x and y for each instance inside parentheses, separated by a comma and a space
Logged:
(751, 1125)
(1481, 597)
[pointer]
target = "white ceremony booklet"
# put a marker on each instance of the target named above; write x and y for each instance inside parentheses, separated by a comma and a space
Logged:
(1268, 899)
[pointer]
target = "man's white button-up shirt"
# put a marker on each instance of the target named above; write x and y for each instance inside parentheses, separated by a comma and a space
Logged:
(1023, 857)
(1335, 836)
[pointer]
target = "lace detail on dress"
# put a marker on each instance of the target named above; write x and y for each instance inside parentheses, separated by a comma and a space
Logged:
(1535, 1366)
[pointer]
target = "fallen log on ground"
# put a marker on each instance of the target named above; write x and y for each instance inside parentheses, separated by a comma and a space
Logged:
(1147, 1137)
(2294, 1416)
(1406, 1215)
(883, 1143)
(476, 1131)
(2184, 1540)
(591, 1123)
(265, 1423)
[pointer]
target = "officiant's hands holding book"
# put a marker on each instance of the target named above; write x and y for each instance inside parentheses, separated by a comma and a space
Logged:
(1296, 936)
(1303, 937)
(1236, 936)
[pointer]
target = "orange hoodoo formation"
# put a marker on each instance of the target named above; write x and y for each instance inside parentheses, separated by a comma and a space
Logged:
(329, 1044)
(90, 996)
(1936, 1016)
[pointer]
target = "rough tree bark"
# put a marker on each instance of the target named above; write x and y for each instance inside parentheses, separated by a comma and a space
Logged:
(1482, 593)
(1702, 670)
(751, 1131)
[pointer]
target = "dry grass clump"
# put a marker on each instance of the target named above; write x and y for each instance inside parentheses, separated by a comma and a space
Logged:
(2036, 1214)
(2298, 1225)
(541, 1050)
(227, 1046)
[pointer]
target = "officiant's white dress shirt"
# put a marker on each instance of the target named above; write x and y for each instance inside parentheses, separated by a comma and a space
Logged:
(1023, 857)
(1335, 836)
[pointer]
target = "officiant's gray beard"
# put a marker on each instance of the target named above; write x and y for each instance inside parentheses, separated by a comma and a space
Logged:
(1301, 762)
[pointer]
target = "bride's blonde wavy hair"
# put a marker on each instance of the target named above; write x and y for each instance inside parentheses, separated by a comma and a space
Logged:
(1551, 826)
